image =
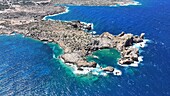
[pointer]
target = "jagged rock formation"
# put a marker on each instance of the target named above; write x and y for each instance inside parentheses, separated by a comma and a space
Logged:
(78, 44)
(26, 18)
(123, 43)
(108, 68)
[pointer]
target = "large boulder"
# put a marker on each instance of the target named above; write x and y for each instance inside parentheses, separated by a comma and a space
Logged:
(134, 57)
(137, 39)
(88, 27)
(121, 34)
(83, 63)
(108, 68)
(130, 50)
(106, 35)
(70, 57)
(126, 61)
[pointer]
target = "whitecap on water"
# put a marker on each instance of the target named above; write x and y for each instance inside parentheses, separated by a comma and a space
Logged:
(117, 72)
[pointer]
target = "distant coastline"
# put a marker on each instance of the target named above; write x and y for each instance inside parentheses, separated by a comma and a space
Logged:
(133, 3)
(96, 3)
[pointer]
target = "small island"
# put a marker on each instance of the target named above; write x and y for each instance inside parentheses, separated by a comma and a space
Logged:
(26, 18)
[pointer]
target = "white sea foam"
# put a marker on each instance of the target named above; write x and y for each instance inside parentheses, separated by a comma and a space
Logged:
(90, 70)
(81, 72)
(92, 26)
(95, 71)
(13, 34)
(117, 72)
(141, 44)
(66, 11)
(135, 64)
(93, 32)
(140, 58)
(88, 24)
(54, 56)
(94, 56)
(134, 3)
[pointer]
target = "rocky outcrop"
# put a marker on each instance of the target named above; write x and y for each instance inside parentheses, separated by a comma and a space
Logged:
(142, 35)
(71, 36)
(108, 69)
(78, 44)
(70, 57)
(84, 63)
(75, 58)
(122, 42)
(106, 35)
(121, 34)
(126, 61)
(80, 25)
(138, 39)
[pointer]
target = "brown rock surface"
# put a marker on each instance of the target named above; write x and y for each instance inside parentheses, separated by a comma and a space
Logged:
(108, 68)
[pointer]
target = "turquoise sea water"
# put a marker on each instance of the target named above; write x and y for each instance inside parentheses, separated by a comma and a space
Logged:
(29, 67)
(105, 57)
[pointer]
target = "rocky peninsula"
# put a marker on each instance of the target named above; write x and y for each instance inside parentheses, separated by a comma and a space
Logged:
(76, 43)
(96, 2)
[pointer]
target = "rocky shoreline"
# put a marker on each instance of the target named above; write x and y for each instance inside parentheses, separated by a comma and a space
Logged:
(71, 36)
(78, 44)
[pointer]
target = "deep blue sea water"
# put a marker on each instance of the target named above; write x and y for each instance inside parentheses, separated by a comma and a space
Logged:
(28, 67)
